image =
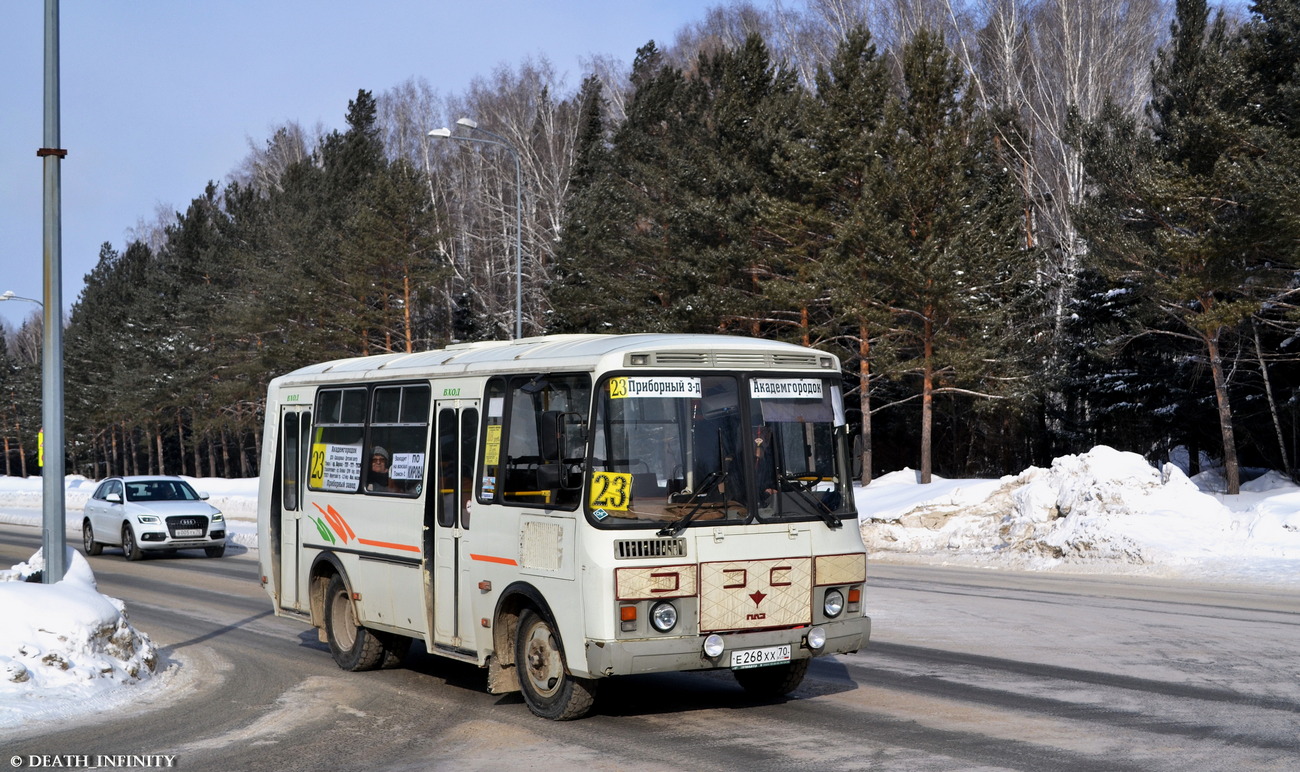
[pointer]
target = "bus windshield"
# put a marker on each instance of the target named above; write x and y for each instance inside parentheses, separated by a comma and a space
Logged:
(672, 451)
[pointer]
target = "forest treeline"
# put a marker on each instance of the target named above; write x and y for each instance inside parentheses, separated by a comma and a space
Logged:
(1027, 227)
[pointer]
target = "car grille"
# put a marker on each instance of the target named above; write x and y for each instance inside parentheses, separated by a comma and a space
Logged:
(178, 523)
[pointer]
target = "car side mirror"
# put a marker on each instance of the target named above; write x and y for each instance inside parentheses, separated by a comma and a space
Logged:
(203, 496)
(114, 498)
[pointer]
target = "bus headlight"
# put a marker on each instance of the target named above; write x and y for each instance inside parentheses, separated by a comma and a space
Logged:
(816, 638)
(663, 617)
(833, 603)
(713, 646)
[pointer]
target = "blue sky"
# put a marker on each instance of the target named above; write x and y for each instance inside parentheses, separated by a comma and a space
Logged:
(160, 96)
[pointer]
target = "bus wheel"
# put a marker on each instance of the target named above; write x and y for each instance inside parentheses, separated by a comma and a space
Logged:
(354, 647)
(774, 680)
(550, 691)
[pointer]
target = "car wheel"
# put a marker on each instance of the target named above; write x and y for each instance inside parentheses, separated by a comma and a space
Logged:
(353, 647)
(774, 680)
(549, 689)
(215, 552)
(130, 549)
(88, 542)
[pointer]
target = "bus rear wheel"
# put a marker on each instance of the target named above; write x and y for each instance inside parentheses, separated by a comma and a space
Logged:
(353, 647)
(549, 689)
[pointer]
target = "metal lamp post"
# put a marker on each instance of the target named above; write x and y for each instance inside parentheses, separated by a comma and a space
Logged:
(501, 142)
(53, 541)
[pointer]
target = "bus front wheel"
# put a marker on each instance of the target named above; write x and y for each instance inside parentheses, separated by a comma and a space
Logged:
(354, 647)
(772, 681)
(549, 689)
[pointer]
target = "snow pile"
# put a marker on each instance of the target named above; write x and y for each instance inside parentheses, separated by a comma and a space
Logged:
(64, 640)
(1100, 508)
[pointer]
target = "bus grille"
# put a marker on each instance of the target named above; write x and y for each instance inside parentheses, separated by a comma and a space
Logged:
(626, 549)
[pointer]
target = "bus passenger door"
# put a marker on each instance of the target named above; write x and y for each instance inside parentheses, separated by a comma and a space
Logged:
(453, 452)
(295, 427)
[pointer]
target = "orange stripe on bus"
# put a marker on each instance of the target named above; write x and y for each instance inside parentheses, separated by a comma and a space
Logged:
(493, 559)
(390, 545)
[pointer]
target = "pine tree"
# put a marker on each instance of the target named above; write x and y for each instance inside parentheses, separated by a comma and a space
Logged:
(1176, 215)
(662, 237)
(944, 241)
(815, 225)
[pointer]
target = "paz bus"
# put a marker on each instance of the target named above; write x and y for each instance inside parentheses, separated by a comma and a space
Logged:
(562, 509)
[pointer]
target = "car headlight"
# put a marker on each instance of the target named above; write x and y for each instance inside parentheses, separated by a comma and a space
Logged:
(146, 519)
(663, 617)
(833, 604)
(713, 646)
(217, 517)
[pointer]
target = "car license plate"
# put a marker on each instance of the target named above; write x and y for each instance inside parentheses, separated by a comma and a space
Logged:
(772, 655)
(182, 532)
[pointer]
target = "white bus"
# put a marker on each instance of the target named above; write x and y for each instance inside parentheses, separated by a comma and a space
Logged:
(567, 508)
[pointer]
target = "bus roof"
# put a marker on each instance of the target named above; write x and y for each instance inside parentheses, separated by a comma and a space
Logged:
(578, 352)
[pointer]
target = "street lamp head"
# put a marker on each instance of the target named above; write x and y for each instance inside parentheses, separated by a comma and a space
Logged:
(8, 294)
(467, 123)
(443, 132)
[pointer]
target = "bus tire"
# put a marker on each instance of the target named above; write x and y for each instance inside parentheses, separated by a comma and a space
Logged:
(772, 681)
(353, 647)
(91, 546)
(395, 648)
(549, 689)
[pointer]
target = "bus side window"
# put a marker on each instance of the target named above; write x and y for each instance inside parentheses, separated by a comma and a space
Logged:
(335, 455)
(399, 430)
(468, 441)
(289, 438)
(538, 440)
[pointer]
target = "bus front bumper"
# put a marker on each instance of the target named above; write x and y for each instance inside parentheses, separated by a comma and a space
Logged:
(677, 653)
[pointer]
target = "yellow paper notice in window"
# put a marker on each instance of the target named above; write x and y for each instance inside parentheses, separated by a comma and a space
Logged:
(492, 446)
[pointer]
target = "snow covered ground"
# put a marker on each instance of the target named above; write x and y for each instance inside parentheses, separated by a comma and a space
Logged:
(66, 648)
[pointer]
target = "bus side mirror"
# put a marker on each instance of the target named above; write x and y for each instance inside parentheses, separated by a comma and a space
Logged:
(550, 439)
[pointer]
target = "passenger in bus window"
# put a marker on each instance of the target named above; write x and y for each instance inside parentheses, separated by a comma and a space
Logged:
(379, 463)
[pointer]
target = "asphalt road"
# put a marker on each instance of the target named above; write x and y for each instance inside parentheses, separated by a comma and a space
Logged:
(967, 670)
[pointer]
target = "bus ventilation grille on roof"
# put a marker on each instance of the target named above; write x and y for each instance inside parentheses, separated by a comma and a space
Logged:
(738, 359)
(681, 358)
(625, 549)
(794, 360)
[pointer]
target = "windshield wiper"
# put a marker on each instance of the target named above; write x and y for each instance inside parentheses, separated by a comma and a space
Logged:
(831, 519)
(711, 480)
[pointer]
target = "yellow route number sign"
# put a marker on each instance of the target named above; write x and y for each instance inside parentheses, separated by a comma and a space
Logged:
(316, 466)
(611, 490)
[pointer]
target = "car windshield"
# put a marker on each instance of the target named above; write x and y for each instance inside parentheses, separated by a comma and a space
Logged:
(670, 451)
(160, 490)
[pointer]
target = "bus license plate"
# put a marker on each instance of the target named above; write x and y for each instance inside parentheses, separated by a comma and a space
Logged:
(183, 532)
(772, 655)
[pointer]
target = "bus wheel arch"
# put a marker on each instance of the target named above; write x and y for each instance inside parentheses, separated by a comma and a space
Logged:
(325, 567)
(353, 646)
(526, 632)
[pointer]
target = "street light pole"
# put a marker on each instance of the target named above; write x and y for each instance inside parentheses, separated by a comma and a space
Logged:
(54, 527)
(499, 141)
